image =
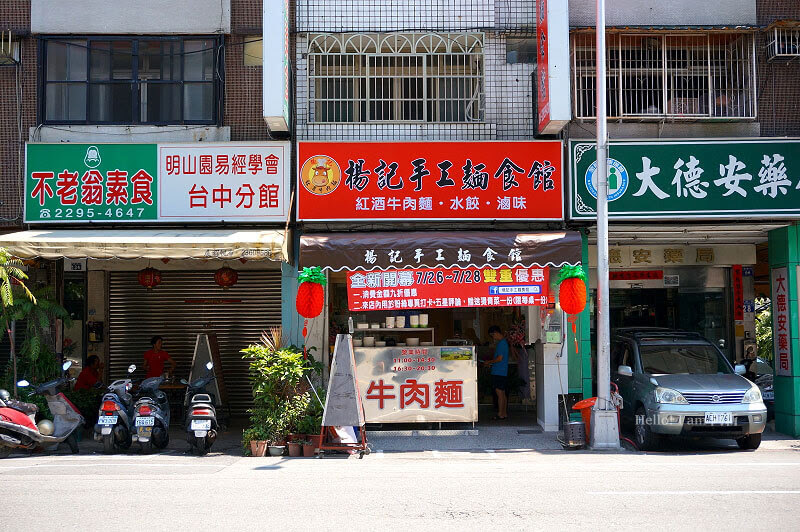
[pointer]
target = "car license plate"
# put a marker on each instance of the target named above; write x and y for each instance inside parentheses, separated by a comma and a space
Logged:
(107, 420)
(719, 418)
(145, 421)
(201, 424)
(769, 396)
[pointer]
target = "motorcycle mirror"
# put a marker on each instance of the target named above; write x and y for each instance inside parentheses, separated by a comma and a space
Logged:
(66, 365)
(184, 381)
(23, 383)
(209, 365)
(131, 368)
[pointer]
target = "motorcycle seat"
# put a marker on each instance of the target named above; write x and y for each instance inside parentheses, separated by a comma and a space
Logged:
(25, 408)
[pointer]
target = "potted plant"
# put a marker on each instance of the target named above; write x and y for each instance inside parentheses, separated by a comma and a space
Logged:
(255, 439)
(311, 425)
(309, 448)
(295, 448)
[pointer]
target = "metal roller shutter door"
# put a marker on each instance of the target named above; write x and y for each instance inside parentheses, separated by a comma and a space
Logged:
(185, 304)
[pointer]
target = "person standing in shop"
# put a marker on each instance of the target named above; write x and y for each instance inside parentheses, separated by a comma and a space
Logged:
(499, 371)
(155, 358)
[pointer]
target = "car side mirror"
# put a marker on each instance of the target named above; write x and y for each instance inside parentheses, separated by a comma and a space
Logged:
(625, 371)
(740, 369)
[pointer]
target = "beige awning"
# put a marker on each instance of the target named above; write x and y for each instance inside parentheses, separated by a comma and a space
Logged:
(148, 244)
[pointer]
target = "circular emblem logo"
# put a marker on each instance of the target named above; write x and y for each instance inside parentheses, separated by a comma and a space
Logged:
(92, 158)
(617, 179)
(715, 398)
(320, 175)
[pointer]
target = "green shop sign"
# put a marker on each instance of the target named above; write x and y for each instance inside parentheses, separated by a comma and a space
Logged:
(84, 183)
(667, 179)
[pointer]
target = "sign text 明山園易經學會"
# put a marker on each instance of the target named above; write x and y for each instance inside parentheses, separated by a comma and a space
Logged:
(430, 181)
(191, 182)
(686, 179)
(433, 288)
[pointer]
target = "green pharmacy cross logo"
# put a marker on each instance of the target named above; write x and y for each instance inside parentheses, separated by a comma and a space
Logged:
(617, 179)
(92, 159)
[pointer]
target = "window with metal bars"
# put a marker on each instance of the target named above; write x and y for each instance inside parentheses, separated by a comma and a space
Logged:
(118, 80)
(692, 76)
(396, 77)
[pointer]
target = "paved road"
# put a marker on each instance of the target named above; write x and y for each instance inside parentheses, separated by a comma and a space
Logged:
(709, 488)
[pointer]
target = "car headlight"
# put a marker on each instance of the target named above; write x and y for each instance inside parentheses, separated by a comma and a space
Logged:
(753, 395)
(670, 396)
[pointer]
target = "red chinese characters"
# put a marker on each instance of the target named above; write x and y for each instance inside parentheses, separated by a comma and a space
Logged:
(781, 323)
(447, 394)
(42, 190)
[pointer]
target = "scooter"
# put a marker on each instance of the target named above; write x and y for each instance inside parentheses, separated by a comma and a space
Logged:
(201, 416)
(151, 416)
(18, 427)
(114, 419)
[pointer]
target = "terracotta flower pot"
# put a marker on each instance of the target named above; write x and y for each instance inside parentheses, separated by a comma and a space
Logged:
(258, 447)
(295, 449)
(309, 449)
(296, 437)
(315, 439)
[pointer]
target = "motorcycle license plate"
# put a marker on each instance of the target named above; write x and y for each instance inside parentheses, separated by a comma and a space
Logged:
(719, 418)
(201, 424)
(107, 420)
(145, 421)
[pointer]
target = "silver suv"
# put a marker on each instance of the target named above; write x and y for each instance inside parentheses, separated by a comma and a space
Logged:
(678, 383)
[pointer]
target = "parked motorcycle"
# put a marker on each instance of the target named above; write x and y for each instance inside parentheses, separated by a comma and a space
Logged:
(114, 421)
(18, 427)
(201, 416)
(151, 416)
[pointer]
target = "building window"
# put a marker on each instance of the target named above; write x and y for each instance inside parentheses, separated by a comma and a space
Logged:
(404, 77)
(253, 51)
(520, 50)
(693, 76)
(149, 80)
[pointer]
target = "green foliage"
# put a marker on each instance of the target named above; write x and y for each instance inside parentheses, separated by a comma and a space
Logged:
(312, 275)
(36, 360)
(281, 393)
(310, 424)
(11, 279)
(764, 330)
(87, 401)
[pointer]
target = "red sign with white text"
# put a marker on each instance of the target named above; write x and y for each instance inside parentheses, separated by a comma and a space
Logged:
(447, 288)
(543, 74)
(380, 181)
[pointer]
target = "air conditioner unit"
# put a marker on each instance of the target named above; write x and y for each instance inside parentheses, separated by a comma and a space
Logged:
(9, 49)
(783, 40)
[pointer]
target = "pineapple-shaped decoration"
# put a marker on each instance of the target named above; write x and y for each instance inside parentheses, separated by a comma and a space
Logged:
(572, 294)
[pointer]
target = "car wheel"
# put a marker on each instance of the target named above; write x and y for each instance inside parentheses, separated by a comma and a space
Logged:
(749, 442)
(646, 440)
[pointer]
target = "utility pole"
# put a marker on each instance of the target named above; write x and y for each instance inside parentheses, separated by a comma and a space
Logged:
(605, 426)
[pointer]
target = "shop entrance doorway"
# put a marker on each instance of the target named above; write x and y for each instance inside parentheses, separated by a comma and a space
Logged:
(705, 311)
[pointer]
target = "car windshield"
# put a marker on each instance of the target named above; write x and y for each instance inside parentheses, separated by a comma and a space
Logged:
(691, 359)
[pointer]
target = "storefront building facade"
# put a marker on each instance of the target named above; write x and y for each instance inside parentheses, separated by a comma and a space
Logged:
(152, 190)
(699, 198)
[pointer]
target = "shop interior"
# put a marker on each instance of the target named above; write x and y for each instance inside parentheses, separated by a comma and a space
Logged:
(466, 326)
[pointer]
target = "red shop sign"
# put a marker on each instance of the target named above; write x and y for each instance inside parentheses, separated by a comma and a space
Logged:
(447, 288)
(430, 181)
(738, 292)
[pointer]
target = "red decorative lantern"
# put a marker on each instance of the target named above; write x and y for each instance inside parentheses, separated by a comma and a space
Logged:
(572, 295)
(226, 277)
(149, 278)
(310, 293)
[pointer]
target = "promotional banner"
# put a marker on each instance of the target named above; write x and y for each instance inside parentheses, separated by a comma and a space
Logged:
(386, 181)
(447, 287)
(689, 179)
(418, 384)
(192, 182)
(781, 322)
(543, 72)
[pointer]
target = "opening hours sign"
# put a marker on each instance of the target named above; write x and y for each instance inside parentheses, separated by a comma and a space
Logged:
(192, 182)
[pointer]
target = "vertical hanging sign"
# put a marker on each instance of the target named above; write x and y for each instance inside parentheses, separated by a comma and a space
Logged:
(781, 325)
(738, 292)
(542, 68)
